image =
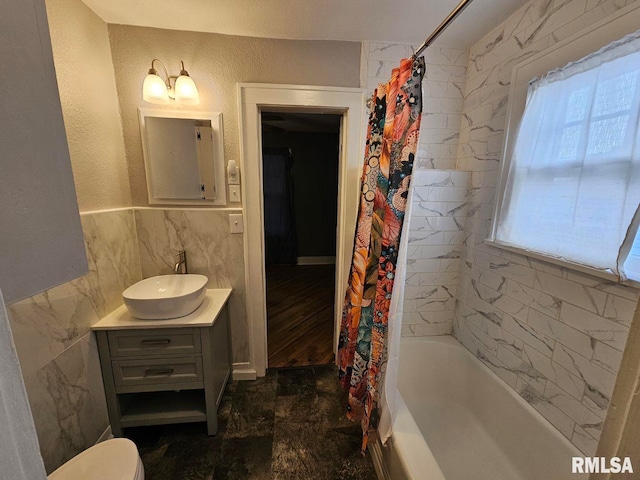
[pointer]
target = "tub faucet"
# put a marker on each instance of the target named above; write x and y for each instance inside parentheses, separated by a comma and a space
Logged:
(182, 260)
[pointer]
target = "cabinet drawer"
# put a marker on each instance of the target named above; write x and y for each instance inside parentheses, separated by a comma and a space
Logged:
(169, 341)
(155, 371)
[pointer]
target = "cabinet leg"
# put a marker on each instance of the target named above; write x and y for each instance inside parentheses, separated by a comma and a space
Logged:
(212, 424)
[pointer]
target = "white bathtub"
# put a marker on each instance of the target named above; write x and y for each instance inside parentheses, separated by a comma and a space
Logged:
(458, 421)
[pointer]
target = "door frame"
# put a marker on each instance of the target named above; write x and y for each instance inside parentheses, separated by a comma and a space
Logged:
(253, 98)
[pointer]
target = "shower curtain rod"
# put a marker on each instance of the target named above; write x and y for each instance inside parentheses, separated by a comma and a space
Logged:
(442, 27)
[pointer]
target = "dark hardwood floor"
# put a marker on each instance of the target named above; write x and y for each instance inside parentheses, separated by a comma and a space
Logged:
(300, 301)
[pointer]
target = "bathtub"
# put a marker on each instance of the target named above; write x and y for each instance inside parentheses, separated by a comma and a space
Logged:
(457, 420)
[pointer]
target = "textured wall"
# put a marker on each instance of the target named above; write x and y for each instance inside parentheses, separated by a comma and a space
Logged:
(217, 63)
(554, 335)
(57, 351)
(435, 229)
(89, 100)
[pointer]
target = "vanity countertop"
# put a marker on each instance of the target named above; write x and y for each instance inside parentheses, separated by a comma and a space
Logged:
(204, 316)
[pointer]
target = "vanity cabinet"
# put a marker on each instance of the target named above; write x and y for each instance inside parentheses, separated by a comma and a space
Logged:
(166, 371)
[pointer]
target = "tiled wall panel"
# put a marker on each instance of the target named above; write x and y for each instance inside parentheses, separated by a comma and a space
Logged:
(436, 231)
(554, 335)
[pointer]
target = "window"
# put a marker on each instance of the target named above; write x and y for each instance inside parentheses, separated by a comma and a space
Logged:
(573, 186)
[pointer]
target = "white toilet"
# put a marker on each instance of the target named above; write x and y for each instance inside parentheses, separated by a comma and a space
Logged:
(114, 459)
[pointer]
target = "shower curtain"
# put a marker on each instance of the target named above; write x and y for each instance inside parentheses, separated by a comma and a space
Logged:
(392, 138)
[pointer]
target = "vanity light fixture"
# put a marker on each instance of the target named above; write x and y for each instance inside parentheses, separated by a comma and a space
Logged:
(159, 91)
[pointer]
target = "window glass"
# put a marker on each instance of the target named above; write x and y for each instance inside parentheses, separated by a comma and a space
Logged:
(574, 179)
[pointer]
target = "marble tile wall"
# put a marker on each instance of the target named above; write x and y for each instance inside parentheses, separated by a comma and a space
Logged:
(435, 229)
(57, 352)
(211, 250)
(554, 335)
(431, 278)
(443, 87)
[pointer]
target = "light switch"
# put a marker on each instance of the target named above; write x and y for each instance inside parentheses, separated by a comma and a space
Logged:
(234, 193)
(236, 224)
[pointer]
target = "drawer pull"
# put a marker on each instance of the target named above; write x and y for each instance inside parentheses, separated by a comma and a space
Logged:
(158, 371)
(156, 341)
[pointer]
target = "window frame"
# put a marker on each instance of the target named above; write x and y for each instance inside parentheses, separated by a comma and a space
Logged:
(573, 48)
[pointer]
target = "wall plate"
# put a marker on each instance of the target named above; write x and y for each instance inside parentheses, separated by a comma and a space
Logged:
(236, 223)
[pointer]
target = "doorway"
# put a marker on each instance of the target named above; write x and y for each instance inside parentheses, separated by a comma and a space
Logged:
(253, 100)
(300, 165)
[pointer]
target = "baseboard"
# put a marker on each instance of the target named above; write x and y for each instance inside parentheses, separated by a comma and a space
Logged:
(316, 260)
(244, 371)
(106, 435)
(377, 456)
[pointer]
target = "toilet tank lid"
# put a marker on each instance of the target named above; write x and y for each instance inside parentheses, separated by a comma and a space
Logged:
(114, 459)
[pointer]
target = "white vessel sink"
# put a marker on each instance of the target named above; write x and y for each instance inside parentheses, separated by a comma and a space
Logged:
(165, 296)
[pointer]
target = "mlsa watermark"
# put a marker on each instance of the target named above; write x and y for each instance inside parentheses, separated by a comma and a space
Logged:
(601, 465)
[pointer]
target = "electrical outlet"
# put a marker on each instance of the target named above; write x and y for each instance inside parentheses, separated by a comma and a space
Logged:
(234, 193)
(236, 224)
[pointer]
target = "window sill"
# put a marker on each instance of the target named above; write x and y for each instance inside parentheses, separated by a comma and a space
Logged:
(563, 263)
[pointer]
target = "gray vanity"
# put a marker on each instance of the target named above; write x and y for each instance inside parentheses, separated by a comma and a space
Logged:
(166, 371)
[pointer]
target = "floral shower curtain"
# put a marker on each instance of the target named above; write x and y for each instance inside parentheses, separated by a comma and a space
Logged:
(392, 138)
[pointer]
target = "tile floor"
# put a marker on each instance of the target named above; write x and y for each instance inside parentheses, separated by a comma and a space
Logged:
(288, 425)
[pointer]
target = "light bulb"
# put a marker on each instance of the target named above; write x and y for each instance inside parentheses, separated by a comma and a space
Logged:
(154, 90)
(186, 91)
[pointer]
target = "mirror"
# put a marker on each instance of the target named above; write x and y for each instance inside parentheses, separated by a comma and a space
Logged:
(183, 157)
